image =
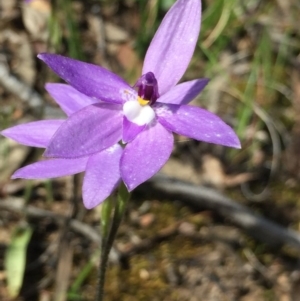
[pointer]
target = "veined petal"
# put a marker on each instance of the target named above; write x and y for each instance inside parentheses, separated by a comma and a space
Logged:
(173, 45)
(86, 132)
(36, 134)
(91, 80)
(102, 176)
(184, 93)
(197, 123)
(130, 130)
(51, 168)
(145, 155)
(69, 99)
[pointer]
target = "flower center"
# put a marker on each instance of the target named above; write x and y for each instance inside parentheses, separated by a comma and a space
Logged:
(147, 89)
(138, 114)
(138, 109)
(142, 101)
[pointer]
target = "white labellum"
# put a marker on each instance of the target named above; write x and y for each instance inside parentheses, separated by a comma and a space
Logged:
(135, 113)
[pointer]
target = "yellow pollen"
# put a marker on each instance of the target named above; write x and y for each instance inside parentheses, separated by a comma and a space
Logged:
(142, 102)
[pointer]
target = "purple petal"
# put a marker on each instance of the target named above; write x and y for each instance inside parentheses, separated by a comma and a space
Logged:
(91, 80)
(68, 98)
(130, 130)
(86, 132)
(145, 155)
(185, 92)
(173, 44)
(197, 123)
(102, 176)
(37, 133)
(51, 168)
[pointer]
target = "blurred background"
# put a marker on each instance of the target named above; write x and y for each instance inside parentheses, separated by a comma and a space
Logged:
(227, 227)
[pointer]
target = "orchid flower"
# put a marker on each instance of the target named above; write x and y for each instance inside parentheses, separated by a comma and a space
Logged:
(141, 118)
(102, 173)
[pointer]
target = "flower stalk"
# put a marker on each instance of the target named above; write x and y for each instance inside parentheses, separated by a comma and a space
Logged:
(109, 228)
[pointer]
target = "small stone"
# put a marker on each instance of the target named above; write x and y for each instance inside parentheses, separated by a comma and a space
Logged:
(146, 220)
(115, 33)
(144, 274)
(187, 228)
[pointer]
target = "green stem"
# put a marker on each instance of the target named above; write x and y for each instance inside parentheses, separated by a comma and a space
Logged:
(122, 199)
(105, 225)
(109, 228)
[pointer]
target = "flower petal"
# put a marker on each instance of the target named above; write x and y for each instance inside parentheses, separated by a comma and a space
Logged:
(130, 130)
(86, 132)
(173, 44)
(197, 123)
(51, 168)
(69, 99)
(91, 80)
(102, 176)
(185, 92)
(145, 155)
(37, 133)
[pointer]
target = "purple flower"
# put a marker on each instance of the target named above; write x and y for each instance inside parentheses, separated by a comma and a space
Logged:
(102, 173)
(108, 110)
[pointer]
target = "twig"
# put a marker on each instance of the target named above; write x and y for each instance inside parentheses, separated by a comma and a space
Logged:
(28, 95)
(131, 249)
(275, 164)
(16, 204)
(65, 249)
(256, 264)
(19, 88)
(64, 268)
(202, 197)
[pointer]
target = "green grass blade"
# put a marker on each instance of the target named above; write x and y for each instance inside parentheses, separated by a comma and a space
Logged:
(15, 259)
(74, 42)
